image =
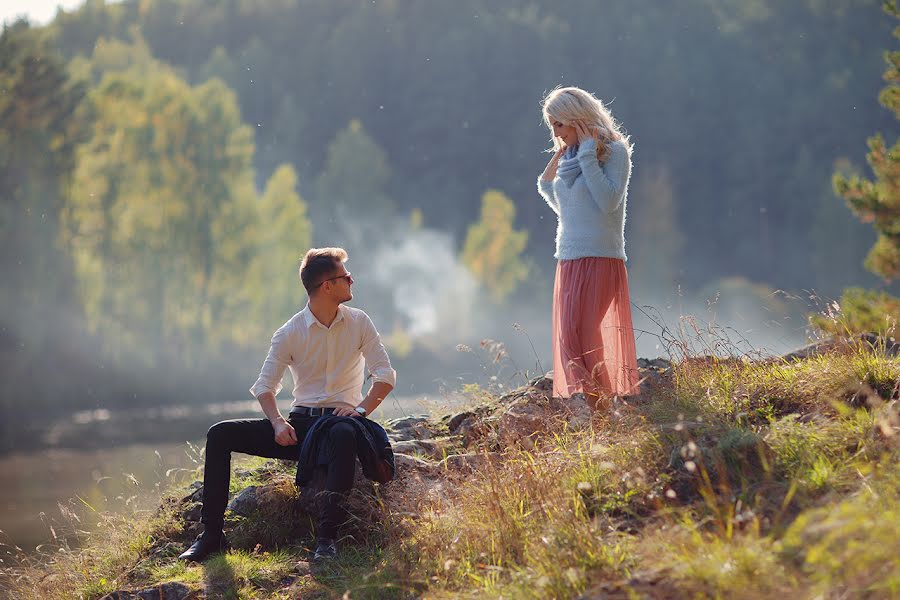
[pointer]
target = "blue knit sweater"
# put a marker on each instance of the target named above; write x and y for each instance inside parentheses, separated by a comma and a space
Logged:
(591, 213)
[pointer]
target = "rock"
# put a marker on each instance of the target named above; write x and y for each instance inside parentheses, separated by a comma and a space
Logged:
(408, 428)
(433, 449)
(471, 461)
(302, 568)
(656, 364)
(883, 345)
(245, 502)
(544, 383)
(522, 420)
(406, 447)
(192, 512)
(401, 436)
(411, 463)
(470, 430)
(196, 495)
(514, 395)
(457, 420)
(814, 349)
(405, 422)
(271, 515)
(172, 590)
(574, 410)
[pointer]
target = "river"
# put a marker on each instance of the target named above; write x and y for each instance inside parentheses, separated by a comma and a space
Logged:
(101, 462)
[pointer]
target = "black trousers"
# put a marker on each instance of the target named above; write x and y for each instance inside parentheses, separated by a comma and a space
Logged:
(257, 437)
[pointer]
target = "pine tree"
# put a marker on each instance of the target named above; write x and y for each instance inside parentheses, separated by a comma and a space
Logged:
(351, 205)
(878, 201)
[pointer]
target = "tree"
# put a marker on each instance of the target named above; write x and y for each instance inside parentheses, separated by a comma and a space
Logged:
(878, 201)
(493, 249)
(351, 200)
(37, 152)
(283, 234)
(158, 187)
(37, 155)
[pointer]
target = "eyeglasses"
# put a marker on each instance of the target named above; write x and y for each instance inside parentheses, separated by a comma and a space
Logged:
(346, 276)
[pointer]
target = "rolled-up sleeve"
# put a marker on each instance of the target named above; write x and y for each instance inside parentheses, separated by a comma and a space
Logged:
(377, 360)
(276, 362)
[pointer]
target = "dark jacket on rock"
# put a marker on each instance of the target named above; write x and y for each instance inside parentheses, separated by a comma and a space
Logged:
(373, 448)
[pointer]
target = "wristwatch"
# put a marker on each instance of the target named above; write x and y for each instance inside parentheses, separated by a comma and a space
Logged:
(362, 412)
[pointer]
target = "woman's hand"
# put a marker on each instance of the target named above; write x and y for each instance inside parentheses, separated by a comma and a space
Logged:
(585, 132)
(549, 173)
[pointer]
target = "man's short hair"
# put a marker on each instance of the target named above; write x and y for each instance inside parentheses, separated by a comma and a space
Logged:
(318, 264)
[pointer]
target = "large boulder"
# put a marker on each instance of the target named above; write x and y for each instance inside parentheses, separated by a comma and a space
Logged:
(245, 502)
(415, 427)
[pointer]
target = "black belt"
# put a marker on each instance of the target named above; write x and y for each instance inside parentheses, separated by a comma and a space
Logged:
(310, 411)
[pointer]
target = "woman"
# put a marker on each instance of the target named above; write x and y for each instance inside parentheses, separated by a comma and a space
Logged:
(586, 185)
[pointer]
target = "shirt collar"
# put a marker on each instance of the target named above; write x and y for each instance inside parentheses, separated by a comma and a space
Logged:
(309, 319)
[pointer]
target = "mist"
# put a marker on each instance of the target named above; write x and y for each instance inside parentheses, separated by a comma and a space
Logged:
(151, 238)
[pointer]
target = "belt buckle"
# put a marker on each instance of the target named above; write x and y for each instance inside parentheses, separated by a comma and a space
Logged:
(316, 411)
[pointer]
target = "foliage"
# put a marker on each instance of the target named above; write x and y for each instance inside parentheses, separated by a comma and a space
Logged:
(170, 244)
(385, 111)
(258, 283)
(424, 80)
(878, 201)
(493, 249)
(38, 138)
(860, 311)
(351, 202)
(164, 164)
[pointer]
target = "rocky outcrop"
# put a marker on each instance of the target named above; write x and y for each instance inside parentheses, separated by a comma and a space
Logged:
(427, 452)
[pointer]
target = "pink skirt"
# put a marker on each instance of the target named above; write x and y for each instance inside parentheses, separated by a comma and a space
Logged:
(593, 338)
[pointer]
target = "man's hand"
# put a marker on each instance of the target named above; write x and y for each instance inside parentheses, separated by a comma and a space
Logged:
(284, 433)
(346, 412)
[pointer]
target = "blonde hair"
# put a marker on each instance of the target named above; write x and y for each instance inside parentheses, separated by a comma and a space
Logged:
(318, 263)
(570, 104)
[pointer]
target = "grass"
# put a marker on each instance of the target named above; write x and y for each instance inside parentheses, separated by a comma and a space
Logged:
(729, 478)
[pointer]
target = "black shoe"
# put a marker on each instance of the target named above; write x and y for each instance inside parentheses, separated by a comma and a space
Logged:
(204, 546)
(326, 550)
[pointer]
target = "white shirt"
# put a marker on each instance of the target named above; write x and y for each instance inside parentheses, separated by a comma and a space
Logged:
(327, 363)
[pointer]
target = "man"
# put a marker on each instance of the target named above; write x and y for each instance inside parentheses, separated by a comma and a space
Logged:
(325, 346)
